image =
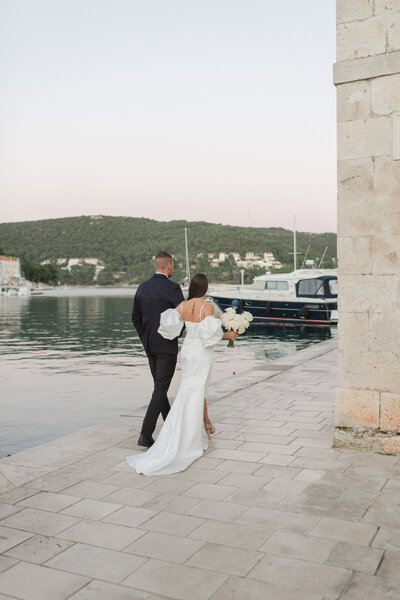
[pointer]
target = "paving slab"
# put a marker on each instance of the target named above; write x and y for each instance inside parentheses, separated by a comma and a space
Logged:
(302, 575)
(34, 582)
(100, 590)
(38, 549)
(240, 588)
(166, 547)
(176, 581)
(99, 563)
(105, 535)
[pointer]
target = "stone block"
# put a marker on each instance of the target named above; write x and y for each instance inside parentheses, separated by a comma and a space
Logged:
(366, 68)
(355, 254)
(390, 412)
(353, 331)
(355, 178)
(360, 39)
(353, 101)
(350, 439)
(353, 11)
(381, 5)
(394, 35)
(365, 138)
(386, 255)
(385, 94)
(390, 445)
(386, 183)
(357, 408)
(366, 293)
(384, 332)
(374, 371)
(368, 216)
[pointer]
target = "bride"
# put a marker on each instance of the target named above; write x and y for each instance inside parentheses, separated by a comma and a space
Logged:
(180, 440)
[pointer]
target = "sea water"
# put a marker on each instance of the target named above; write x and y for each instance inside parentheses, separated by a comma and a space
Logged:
(71, 358)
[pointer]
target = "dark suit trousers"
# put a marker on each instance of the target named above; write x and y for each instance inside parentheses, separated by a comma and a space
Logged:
(162, 368)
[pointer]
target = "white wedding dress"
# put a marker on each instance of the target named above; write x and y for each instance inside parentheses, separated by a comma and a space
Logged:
(181, 440)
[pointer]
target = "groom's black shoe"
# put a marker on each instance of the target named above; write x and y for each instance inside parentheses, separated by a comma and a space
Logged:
(144, 441)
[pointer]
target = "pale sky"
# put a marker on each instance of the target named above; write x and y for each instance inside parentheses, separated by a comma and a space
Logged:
(213, 110)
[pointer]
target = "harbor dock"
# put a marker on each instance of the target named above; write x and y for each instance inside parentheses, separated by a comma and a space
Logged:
(271, 511)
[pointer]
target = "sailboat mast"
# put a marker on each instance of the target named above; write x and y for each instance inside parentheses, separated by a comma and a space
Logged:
(187, 256)
(294, 243)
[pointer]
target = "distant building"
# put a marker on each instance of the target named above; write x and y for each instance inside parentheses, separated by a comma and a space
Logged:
(10, 270)
(222, 257)
(80, 262)
(276, 264)
(252, 256)
(73, 262)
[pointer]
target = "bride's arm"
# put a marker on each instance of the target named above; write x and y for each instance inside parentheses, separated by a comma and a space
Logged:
(228, 335)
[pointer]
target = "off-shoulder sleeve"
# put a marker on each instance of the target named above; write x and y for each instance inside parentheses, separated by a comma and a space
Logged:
(171, 324)
(210, 331)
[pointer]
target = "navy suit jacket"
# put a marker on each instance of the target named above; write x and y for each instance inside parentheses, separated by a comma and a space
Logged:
(151, 299)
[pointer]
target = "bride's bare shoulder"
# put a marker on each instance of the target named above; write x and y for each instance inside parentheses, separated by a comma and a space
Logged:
(208, 309)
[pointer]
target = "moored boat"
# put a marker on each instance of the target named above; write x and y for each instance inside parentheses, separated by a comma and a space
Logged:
(303, 297)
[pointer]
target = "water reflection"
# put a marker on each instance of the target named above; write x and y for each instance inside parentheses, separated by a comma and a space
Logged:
(70, 361)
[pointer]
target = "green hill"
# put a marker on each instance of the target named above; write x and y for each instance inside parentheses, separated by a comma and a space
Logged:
(126, 245)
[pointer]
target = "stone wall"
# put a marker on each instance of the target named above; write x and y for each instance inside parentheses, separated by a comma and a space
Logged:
(367, 76)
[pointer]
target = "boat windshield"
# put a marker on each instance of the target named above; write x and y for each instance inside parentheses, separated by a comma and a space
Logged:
(333, 287)
(310, 287)
(276, 285)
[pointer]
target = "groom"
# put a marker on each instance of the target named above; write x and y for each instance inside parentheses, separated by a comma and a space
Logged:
(153, 297)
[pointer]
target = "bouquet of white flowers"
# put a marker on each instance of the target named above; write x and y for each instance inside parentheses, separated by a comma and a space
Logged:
(234, 322)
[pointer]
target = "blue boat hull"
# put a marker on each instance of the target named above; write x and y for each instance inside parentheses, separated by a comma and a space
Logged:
(296, 313)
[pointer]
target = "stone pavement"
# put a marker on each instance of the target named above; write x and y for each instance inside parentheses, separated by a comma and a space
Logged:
(271, 511)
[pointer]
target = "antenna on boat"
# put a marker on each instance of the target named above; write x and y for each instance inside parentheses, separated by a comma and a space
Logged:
(187, 257)
(295, 253)
(294, 243)
(322, 258)
(305, 258)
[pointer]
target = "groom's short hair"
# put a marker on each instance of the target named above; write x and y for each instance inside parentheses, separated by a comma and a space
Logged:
(162, 259)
